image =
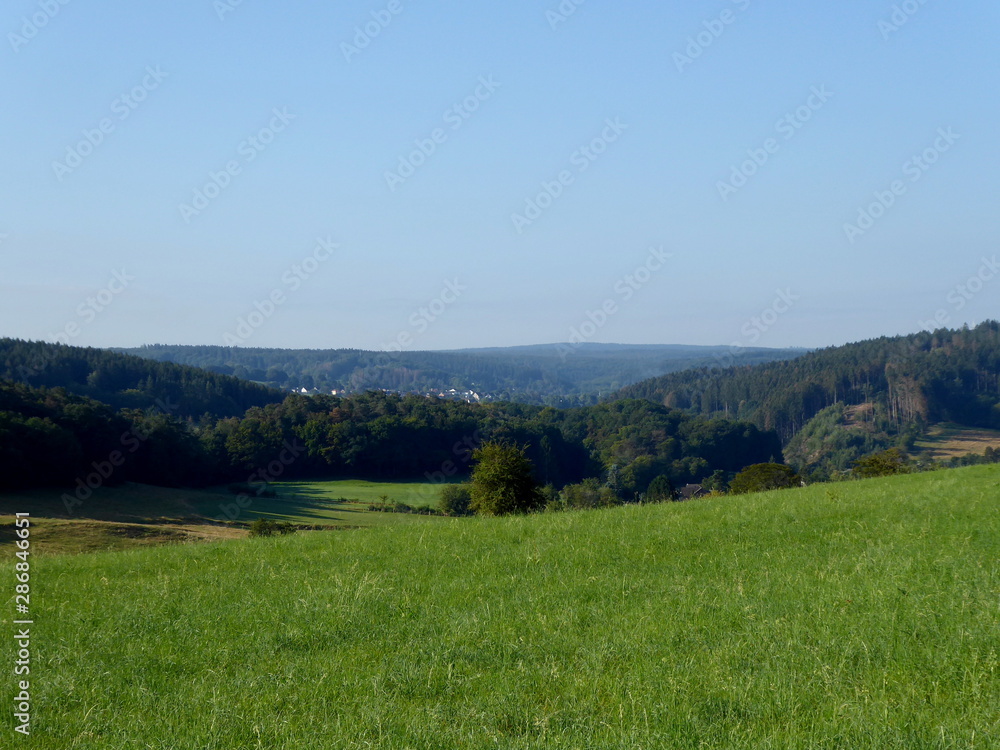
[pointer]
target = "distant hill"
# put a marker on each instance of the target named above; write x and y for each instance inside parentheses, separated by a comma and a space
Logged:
(556, 375)
(124, 381)
(850, 399)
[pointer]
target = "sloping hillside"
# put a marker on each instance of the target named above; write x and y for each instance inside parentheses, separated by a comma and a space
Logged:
(945, 376)
(125, 381)
(557, 375)
(859, 615)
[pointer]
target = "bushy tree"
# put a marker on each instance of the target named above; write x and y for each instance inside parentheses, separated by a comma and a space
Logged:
(455, 500)
(764, 477)
(660, 490)
(881, 464)
(503, 481)
(267, 527)
(589, 493)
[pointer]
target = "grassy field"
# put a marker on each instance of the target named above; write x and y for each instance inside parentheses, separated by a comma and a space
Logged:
(341, 503)
(114, 518)
(412, 493)
(135, 515)
(944, 441)
(854, 615)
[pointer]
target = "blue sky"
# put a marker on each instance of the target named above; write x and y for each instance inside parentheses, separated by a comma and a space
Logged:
(633, 115)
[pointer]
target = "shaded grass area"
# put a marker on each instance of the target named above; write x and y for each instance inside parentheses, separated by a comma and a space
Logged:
(855, 615)
(50, 536)
(417, 494)
(136, 515)
(339, 502)
(112, 518)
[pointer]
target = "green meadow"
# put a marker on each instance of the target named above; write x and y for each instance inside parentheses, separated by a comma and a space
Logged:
(412, 493)
(341, 503)
(851, 615)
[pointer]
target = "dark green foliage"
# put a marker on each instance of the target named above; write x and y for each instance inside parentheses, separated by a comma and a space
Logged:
(589, 493)
(397, 506)
(717, 482)
(51, 438)
(125, 381)
(764, 477)
(990, 456)
(55, 437)
(947, 375)
(883, 464)
(828, 445)
(456, 500)
(660, 490)
(267, 527)
(503, 481)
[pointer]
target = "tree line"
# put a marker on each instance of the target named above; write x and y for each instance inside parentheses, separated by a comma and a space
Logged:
(51, 437)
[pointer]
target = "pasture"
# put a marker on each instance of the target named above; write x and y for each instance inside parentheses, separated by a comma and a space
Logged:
(854, 615)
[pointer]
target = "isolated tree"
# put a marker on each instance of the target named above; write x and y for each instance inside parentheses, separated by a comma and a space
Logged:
(881, 464)
(660, 490)
(764, 477)
(503, 481)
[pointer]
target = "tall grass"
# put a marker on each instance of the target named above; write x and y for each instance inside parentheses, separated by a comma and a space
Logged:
(856, 615)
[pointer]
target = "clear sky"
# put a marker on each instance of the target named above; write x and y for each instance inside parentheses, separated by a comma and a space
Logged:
(498, 173)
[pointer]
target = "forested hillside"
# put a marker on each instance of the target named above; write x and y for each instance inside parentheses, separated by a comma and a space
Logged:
(52, 438)
(852, 398)
(124, 381)
(556, 375)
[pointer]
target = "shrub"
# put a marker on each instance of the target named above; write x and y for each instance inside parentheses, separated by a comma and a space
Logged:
(764, 477)
(455, 500)
(267, 527)
(881, 464)
(660, 490)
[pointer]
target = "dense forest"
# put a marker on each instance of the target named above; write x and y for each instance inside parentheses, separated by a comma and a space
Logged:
(556, 375)
(124, 381)
(65, 411)
(833, 405)
(53, 436)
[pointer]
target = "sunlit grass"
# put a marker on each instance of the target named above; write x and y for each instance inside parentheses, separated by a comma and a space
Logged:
(854, 615)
